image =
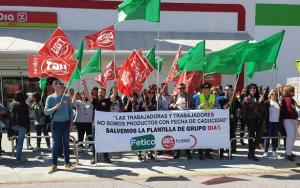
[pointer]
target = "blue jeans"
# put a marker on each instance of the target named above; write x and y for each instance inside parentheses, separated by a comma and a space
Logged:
(21, 136)
(60, 130)
(272, 132)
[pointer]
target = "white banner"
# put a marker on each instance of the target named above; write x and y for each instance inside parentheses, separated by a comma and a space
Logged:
(161, 130)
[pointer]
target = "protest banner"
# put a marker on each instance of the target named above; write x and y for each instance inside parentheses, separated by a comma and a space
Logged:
(161, 130)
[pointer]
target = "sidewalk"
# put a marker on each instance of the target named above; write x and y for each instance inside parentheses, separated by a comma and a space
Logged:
(126, 166)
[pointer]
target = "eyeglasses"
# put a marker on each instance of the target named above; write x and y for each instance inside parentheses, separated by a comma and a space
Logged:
(60, 84)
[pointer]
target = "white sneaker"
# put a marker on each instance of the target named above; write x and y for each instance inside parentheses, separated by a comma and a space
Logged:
(265, 155)
(275, 155)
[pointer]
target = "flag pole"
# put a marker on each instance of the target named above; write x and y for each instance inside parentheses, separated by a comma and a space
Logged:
(235, 86)
(115, 72)
(67, 87)
(158, 66)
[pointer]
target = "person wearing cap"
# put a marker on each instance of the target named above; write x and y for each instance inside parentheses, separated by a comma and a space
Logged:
(60, 109)
(181, 101)
(206, 101)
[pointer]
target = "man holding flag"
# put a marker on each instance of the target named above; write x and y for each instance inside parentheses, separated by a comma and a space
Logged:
(59, 107)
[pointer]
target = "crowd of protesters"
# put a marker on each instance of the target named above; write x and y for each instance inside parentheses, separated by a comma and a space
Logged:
(265, 112)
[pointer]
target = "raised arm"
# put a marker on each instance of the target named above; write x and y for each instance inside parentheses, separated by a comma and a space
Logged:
(86, 91)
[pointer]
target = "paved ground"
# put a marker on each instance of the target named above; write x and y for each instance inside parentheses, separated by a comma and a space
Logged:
(127, 171)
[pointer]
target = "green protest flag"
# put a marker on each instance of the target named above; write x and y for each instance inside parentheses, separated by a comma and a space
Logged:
(297, 64)
(261, 56)
(43, 83)
(154, 61)
(94, 65)
(148, 10)
(79, 55)
(76, 74)
(193, 59)
(227, 61)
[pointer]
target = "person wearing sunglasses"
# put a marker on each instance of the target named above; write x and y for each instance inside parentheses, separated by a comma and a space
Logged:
(101, 103)
(254, 112)
(273, 113)
(181, 101)
(206, 101)
(229, 101)
(60, 108)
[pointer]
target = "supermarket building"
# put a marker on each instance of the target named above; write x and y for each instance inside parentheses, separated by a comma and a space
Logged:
(26, 25)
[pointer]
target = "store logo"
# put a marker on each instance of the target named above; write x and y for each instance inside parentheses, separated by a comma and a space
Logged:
(142, 142)
(105, 38)
(168, 142)
(22, 17)
(55, 65)
(60, 47)
(7, 17)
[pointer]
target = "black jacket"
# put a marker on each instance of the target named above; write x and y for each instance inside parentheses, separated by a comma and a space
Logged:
(20, 115)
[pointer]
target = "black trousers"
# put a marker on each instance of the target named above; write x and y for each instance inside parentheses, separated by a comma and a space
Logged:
(255, 128)
(242, 127)
(233, 126)
(83, 128)
(39, 130)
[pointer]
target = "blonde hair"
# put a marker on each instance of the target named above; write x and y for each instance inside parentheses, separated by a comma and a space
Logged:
(272, 91)
(287, 90)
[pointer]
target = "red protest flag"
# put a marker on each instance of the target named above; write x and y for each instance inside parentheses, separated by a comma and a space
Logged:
(142, 70)
(126, 79)
(104, 39)
(108, 73)
(58, 45)
(192, 81)
(174, 69)
(42, 66)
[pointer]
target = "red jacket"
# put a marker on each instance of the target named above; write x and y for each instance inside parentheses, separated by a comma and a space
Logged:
(286, 109)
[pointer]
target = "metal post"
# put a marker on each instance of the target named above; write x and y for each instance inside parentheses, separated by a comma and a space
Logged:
(1, 79)
(12, 146)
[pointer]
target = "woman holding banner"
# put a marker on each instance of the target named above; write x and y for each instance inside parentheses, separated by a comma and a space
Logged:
(133, 105)
(149, 104)
(229, 101)
(182, 101)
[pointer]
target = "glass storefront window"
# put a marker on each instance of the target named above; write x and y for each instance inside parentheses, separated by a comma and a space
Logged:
(10, 85)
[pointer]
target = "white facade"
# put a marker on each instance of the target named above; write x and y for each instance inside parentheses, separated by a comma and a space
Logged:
(75, 19)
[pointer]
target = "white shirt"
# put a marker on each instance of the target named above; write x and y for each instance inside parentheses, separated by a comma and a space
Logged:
(164, 101)
(182, 103)
(274, 111)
